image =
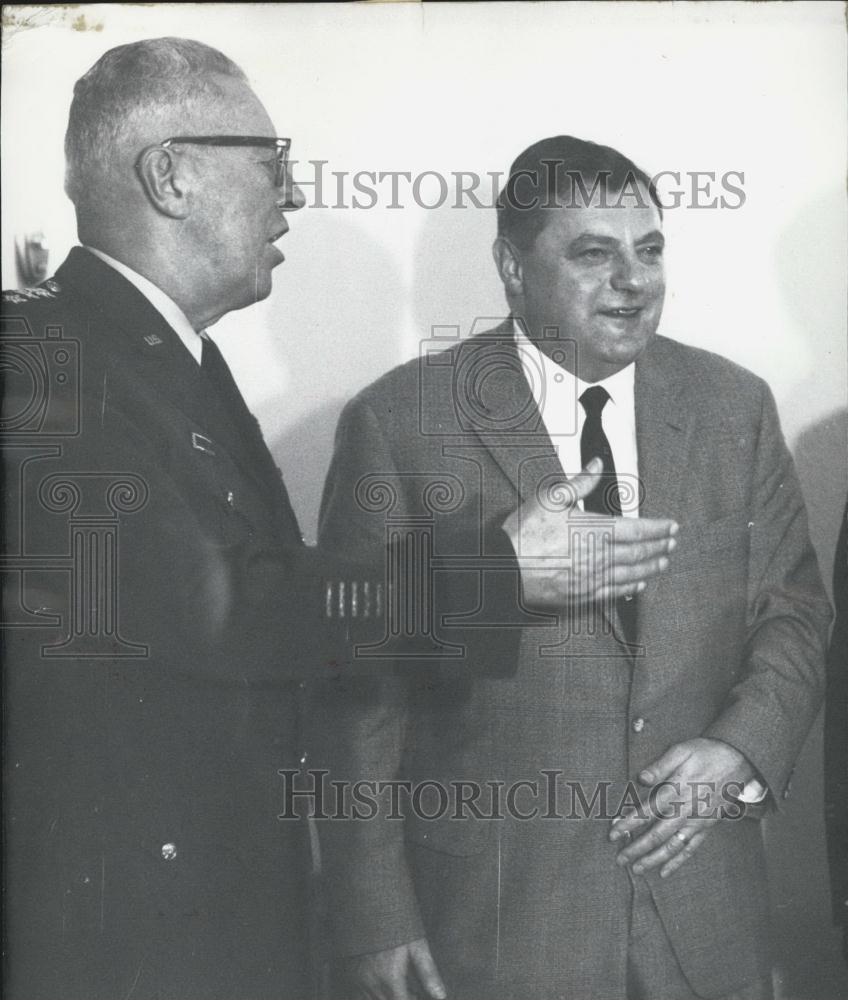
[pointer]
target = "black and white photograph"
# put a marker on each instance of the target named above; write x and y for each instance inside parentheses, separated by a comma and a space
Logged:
(425, 494)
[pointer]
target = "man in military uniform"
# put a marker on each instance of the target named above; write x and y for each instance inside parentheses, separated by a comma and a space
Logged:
(165, 610)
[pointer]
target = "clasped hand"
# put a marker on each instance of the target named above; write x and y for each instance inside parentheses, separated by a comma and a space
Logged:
(693, 787)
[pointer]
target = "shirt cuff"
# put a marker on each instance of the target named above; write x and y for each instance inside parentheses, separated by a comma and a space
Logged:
(753, 791)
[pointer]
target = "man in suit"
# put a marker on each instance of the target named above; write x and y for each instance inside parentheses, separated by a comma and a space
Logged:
(163, 614)
(640, 737)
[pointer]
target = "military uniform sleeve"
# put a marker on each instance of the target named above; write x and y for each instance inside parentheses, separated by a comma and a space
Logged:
(359, 728)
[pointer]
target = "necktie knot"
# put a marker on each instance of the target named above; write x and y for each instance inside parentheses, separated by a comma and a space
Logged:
(594, 399)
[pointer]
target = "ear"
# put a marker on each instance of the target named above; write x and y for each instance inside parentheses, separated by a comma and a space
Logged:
(159, 171)
(508, 262)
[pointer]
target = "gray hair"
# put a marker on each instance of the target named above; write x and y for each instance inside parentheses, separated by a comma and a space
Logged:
(124, 87)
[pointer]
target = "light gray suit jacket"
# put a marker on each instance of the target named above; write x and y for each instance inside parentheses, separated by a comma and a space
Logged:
(731, 646)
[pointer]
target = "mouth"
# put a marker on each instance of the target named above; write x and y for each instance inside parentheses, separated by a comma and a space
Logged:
(273, 239)
(628, 313)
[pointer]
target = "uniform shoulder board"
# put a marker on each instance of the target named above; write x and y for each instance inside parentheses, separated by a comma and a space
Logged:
(49, 290)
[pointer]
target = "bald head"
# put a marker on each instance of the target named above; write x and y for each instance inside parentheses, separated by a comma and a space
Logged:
(135, 95)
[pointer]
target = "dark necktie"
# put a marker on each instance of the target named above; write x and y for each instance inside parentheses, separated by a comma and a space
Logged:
(605, 497)
(216, 369)
(231, 401)
(226, 397)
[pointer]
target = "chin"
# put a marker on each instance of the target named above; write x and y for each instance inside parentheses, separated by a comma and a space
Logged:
(262, 285)
(259, 292)
(629, 348)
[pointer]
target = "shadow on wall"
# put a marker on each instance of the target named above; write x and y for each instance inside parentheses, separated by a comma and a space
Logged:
(811, 277)
(455, 279)
(346, 319)
(810, 965)
(821, 457)
(349, 307)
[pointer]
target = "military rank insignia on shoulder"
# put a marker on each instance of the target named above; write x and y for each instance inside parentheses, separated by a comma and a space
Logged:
(49, 290)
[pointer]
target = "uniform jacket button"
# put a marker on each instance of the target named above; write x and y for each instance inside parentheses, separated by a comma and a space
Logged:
(638, 724)
(168, 852)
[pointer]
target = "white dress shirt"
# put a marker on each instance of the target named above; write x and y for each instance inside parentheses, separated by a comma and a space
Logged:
(557, 393)
(162, 303)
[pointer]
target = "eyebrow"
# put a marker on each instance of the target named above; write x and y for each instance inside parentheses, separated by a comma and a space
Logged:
(654, 236)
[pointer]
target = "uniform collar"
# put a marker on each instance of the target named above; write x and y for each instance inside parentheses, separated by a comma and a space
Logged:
(162, 303)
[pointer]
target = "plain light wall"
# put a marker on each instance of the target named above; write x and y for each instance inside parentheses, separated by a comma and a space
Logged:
(757, 88)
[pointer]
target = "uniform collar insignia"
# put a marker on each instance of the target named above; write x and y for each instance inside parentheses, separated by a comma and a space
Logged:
(202, 443)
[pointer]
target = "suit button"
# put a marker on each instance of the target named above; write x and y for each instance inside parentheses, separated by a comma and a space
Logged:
(169, 852)
(638, 724)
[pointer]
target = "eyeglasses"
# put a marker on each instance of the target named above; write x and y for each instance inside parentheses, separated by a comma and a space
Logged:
(282, 147)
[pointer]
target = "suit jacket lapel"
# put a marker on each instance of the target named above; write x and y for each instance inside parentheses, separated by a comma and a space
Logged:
(497, 401)
(662, 430)
(662, 421)
(508, 422)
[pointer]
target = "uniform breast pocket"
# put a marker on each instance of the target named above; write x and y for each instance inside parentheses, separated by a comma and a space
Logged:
(221, 500)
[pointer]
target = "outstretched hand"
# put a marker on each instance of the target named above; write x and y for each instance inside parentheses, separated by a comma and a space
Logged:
(559, 556)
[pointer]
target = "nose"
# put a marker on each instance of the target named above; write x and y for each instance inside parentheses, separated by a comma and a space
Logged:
(629, 273)
(291, 196)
